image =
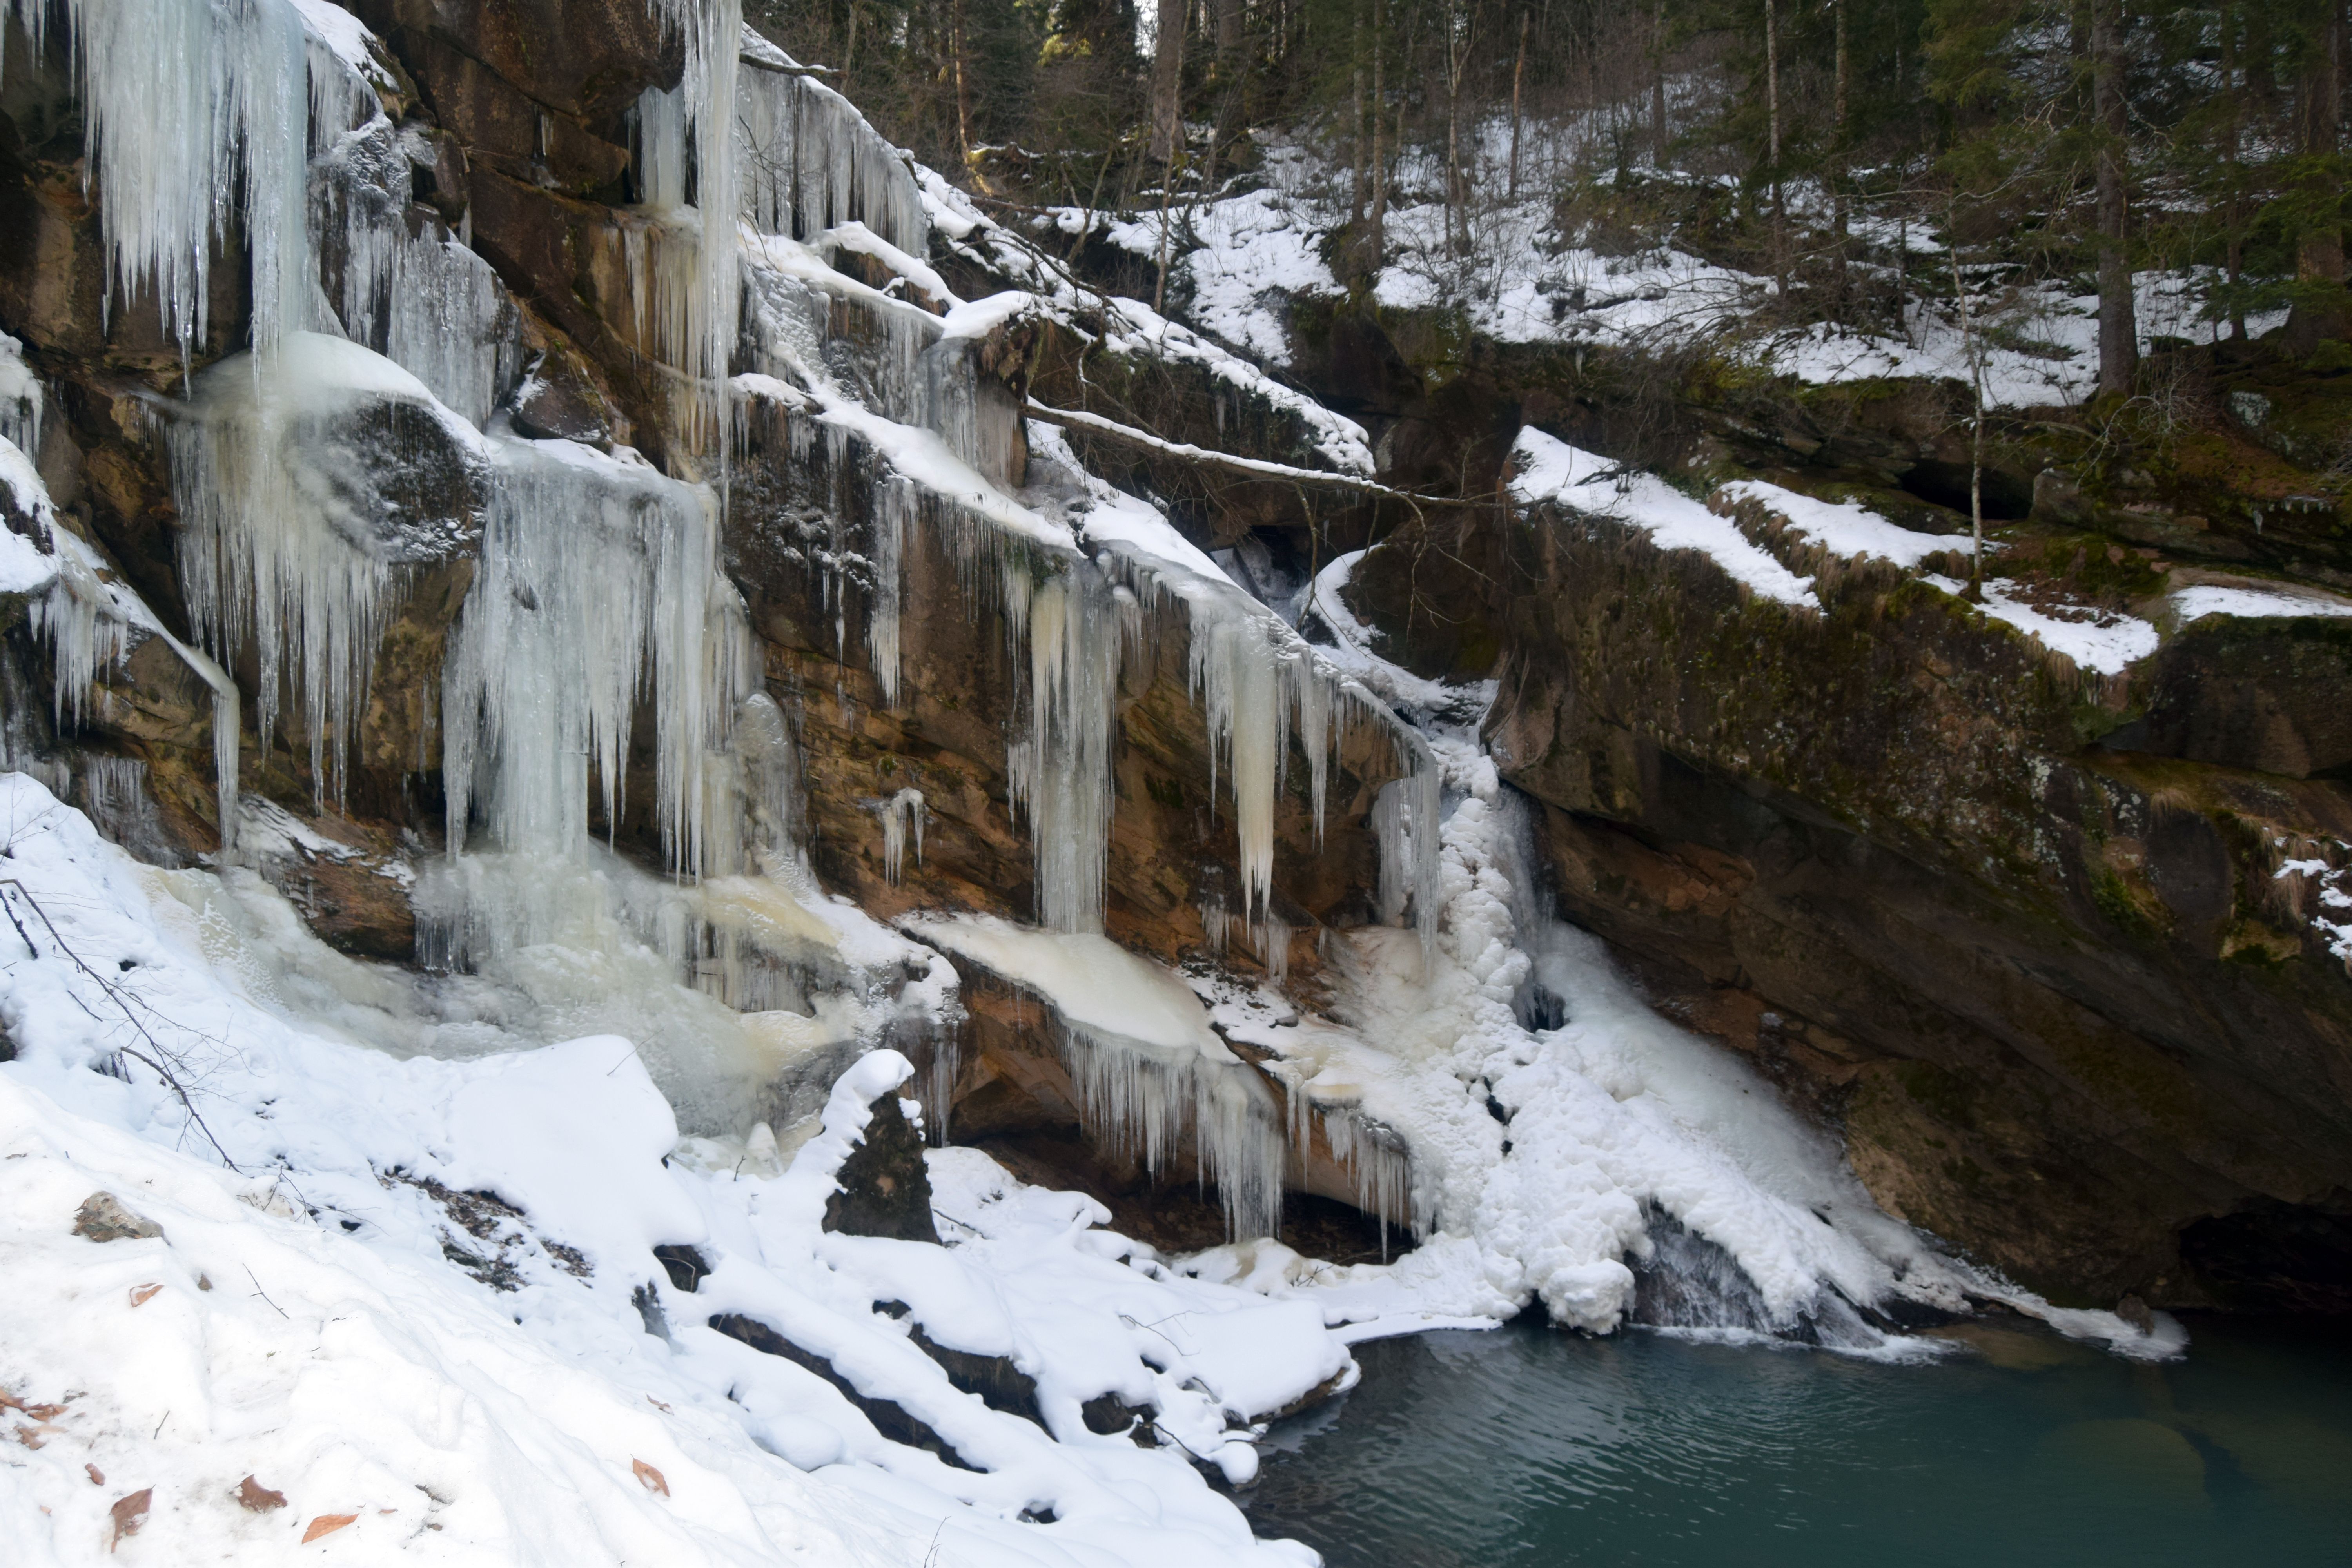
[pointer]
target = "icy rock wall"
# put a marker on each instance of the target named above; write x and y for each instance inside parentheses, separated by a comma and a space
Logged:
(599, 632)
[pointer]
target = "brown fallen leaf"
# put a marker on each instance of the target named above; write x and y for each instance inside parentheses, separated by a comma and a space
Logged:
(44, 1413)
(97, 1476)
(657, 1405)
(31, 1435)
(651, 1476)
(327, 1524)
(252, 1495)
(141, 1294)
(9, 1401)
(130, 1513)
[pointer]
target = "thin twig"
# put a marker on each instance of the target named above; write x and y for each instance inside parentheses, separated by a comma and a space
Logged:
(156, 1062)
(257, 1291)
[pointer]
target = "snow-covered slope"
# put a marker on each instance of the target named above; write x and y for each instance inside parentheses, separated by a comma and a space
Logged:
(422, 1293)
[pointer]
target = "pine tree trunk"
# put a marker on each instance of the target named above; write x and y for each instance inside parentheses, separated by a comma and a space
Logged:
(1456, 58)
(963, 95)
(1380, 152)
(1360, 189)
(2232, 217)
(2118, 327)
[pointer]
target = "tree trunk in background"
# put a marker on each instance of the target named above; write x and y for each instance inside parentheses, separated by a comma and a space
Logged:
(1229, 39)
(1168, 81)
(2232, 132)
(1658, 86)
(1518, 73)
(1453, 140)
(1839, 172)
(1359, 188)
(2321, 308)
(2118, 328)
(1380, 152)
(1772, 95)
(962, 94)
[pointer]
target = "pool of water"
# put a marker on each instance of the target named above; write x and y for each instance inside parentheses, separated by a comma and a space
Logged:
(1526, 1447)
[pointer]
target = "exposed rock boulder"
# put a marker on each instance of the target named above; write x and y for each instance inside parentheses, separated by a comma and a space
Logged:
(102, 1217)
(883, 1188)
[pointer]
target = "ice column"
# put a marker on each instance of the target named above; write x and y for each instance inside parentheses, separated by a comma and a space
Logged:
(1062, 774)
(598, 579)
(902, 814)
(692, 275)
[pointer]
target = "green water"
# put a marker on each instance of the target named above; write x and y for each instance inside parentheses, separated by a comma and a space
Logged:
(1526, 1447)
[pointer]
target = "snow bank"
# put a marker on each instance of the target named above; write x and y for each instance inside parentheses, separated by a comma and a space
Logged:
(25, 566)
(1546, 468)
(357, 1383)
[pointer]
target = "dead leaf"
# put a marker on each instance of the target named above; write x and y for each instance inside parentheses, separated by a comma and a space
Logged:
(44, 1413)
(130, 1513)
(252, 1495)
(651, 1476)
(30, 1435)
(141, 1294)
(9, 1401)
(97, 1476)
(657, 1405)
(327, 1524)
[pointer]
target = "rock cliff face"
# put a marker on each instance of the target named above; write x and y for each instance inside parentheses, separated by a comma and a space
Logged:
(2053, 948)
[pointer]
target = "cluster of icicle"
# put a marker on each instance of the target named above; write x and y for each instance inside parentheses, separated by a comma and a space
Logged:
(1140, 1100)
(599, 583)
(809, 162)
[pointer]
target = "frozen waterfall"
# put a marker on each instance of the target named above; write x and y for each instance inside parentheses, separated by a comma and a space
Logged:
(359, 440)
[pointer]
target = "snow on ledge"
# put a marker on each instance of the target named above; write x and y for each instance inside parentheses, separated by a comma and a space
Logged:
(1845, 528)
(1548, 468)
(2102, 641)
(1091, 981)
(2215, 599)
